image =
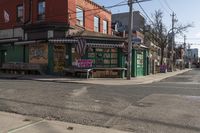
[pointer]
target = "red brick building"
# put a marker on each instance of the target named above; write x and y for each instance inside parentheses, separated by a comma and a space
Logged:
(45, 32)
(89, 10)
(62, 11)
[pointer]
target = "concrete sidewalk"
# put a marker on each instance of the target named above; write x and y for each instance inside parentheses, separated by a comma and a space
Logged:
(14, 123)
(103, 81)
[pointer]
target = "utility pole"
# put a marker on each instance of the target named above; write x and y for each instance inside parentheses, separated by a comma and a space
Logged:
(130, 26)
(130, 30)
(173, 42)
(184, 46)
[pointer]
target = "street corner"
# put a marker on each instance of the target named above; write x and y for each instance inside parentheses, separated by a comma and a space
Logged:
(14, 123)
(10, 122)
(169, 113)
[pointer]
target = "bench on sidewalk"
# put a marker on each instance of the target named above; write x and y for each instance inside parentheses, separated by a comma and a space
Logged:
(89, 71)
(74, 71)
(22, 68)
(112, 69)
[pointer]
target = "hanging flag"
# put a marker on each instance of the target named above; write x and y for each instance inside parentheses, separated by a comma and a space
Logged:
(6, 16)
(81, 47)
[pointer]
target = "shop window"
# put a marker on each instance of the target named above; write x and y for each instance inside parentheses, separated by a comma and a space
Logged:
(96, 24)
(105, 27)
(20, 12)
(41, 10)
(79, 17)
(103, 57)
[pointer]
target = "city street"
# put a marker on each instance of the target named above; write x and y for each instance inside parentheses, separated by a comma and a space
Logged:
(171, 105)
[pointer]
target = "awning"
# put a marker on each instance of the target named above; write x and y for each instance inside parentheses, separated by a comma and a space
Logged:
(9, 40)
(63, 41)
(140, 46)
(28, 42)
(101, 45)
(75, 41)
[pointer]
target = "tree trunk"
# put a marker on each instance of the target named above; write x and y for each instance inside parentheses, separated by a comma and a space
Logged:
(162, 55)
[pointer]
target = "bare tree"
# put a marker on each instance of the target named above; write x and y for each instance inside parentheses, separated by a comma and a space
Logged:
(160, 33)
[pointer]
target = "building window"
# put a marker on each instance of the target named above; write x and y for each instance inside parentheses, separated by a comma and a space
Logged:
(105, 27)
(79, 17)
(20, 12)
(96, 24)
(41, 10)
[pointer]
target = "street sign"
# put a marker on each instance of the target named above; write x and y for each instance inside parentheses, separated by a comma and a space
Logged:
(136, 40)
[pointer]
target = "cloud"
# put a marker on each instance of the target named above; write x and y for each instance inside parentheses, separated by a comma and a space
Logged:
(197, 35)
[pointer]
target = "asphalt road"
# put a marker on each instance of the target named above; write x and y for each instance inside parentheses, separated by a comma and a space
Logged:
(155, 108)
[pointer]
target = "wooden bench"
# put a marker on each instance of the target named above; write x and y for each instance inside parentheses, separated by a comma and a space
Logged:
(78, 70)
(16, 67)
(115, 68)
(90, 70)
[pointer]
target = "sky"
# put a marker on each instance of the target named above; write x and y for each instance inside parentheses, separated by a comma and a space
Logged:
(187, 12)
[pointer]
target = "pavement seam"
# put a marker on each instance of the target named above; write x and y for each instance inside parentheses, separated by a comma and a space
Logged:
(25, 126)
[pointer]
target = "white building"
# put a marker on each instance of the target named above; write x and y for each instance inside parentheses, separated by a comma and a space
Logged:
(192, 55)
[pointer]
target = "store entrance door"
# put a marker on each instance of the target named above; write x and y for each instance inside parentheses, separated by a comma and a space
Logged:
(140, 63)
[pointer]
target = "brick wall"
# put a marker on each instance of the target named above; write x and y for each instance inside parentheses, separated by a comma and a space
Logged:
(56, 11)
(91, 9)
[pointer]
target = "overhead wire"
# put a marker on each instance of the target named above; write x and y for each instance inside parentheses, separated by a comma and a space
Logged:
(145, 13)
(168, 5)
(164, 7)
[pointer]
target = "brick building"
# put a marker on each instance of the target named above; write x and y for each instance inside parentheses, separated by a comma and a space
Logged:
(46, 33)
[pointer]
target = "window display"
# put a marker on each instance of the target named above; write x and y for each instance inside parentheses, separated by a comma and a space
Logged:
(103, 57)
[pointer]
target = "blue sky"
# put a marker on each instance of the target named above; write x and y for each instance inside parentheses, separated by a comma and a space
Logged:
(185, 10)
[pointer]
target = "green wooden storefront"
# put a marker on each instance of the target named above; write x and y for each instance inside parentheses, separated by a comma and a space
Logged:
(104, 51)
(13, 53)
(139, 62)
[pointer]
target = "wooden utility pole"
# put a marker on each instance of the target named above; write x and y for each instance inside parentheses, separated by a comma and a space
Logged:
(173, 42)
(130, 30)
(130, 26)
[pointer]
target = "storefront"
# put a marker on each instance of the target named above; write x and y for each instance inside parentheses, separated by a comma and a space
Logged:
(140, 61)
(102, 55)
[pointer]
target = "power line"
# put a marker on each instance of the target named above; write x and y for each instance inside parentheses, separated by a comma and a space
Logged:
(168, 5)
(164, 7)
(122, 3)
(145, 13)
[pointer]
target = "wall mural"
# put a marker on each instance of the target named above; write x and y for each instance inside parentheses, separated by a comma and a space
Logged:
(59, 57)
(38, 54)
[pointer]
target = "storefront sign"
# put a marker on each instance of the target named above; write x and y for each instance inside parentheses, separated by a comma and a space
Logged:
(84, 63)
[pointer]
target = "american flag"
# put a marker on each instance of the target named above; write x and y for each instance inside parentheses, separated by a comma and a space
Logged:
(6, 16)
(81, 47)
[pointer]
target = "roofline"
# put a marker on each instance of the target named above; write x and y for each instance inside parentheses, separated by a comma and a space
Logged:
(99, 6)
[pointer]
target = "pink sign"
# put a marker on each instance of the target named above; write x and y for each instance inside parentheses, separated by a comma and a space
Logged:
(84, 63)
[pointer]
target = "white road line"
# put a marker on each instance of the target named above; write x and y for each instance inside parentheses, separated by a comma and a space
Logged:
(26, 126)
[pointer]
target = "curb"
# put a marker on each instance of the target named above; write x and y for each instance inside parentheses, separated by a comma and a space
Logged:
(86, 81)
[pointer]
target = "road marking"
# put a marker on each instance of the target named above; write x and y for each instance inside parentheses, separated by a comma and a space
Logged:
(79, 92)
(26, 126)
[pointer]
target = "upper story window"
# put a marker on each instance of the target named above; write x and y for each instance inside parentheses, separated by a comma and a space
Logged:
(96, 24)
(105, 27)
(20, 13)
(79, 17)
(41, 10)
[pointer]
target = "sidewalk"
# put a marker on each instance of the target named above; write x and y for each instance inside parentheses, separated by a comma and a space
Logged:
(104, 81)
(14, 123)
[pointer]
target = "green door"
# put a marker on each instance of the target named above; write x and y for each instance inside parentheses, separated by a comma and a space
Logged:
(3, 57)
(140, 63)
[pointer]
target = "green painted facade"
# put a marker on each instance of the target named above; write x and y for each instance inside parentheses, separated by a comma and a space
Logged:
(50, 59)
(20, 53)
(13, 53)
(139, 62)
